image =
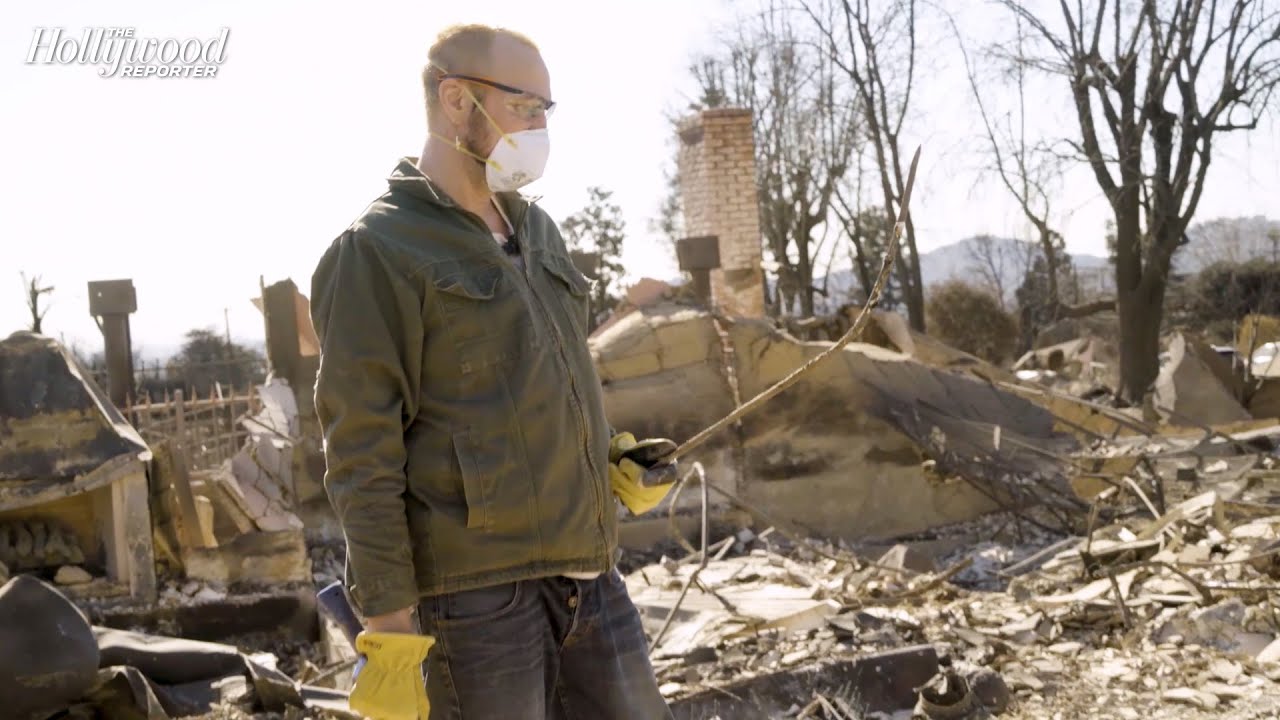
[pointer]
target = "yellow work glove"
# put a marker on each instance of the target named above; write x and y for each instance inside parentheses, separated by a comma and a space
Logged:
(390, 686)
(638, 487)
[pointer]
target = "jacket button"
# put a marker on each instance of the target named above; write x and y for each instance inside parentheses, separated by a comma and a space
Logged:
(573, 601)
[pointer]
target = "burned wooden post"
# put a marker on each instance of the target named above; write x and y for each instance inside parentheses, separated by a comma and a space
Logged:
(110, 303)
(699, 256)
(283, 353)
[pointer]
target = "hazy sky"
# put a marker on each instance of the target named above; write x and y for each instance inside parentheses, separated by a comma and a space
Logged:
(195, 187)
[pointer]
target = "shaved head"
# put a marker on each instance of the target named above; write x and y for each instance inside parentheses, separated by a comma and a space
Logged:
(464, 49)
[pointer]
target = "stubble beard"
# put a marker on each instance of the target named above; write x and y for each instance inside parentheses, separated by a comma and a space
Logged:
(473, 143)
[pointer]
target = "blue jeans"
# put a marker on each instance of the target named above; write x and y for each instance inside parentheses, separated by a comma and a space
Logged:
(547, 648)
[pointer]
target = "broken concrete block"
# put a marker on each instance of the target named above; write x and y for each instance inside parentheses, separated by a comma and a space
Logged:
(904, 557)
(1220, 626)
(72, 575)
(1191, 696)
(1270, 654)
(264, 558)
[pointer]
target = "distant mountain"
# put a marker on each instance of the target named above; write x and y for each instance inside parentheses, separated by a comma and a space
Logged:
(1008, 256)
(1005, 258)
(1228, 240)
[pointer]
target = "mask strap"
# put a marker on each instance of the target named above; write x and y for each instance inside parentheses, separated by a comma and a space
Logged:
(457, 144)
(488, 117)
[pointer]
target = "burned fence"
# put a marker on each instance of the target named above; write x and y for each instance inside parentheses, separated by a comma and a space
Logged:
(209, 428)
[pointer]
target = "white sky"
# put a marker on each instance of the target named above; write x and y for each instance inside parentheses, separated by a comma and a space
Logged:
(196, 187)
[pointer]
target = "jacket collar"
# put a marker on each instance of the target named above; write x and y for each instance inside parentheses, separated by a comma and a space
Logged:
(407, 178)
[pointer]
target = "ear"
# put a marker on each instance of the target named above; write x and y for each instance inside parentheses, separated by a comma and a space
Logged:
(454, 101)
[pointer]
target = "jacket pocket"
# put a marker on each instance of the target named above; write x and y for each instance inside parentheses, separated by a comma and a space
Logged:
(571, 288)
(464, 298)
(474, 286)
(472, 482)
(482, 317)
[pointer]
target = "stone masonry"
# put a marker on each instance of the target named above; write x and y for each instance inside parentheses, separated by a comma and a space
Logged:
(718, 191)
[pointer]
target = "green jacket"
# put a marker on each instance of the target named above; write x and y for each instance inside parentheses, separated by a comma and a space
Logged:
(464, 428)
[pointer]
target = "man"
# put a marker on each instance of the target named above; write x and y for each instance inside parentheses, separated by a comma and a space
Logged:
(468, 455)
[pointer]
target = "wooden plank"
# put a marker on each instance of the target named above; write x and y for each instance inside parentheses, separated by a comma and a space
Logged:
(111, 532)
(231, 499)
(188, 518)
(101, 476)
(204, 514)
(133, 513)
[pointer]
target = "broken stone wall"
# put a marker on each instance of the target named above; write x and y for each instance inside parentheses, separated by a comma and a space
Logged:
(293, 352)
(73, 484)
(718, 192)
(846, 449)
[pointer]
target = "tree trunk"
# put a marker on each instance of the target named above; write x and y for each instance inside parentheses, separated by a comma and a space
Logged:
(1051, 263)
(1140, 312)
(860, 260)
(804, 269)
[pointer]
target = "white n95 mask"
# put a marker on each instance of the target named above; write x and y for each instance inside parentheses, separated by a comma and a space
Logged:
(517, 160)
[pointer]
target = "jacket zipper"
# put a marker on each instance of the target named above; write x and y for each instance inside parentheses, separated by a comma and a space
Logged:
(518, 226)
(573, 385)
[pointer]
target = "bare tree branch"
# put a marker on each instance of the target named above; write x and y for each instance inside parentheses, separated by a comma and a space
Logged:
(1179, 73)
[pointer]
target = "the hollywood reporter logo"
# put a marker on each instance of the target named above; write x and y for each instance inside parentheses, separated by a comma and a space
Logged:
(121, 53)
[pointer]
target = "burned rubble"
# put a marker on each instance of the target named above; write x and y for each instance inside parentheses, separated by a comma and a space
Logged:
(1151, 593)
(1033, 553)
(992, 543)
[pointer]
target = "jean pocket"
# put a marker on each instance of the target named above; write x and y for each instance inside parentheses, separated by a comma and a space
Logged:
(480, 605)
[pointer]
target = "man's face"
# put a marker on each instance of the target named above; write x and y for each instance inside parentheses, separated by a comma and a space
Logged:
(515, 95)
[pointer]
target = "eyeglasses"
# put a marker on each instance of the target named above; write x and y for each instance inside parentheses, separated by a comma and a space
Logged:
(526, 104)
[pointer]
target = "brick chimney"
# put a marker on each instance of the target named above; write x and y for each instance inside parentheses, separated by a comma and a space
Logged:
(718, 191)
